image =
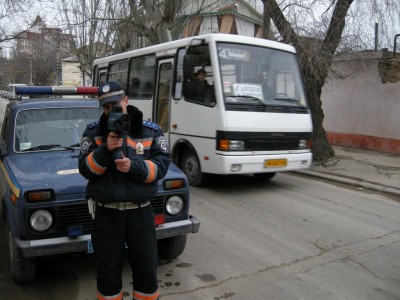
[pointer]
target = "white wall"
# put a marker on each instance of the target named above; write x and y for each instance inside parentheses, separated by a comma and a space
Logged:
(359, 103)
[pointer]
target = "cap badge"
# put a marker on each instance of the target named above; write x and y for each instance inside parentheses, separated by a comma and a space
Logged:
(139, 148)
(106, 88)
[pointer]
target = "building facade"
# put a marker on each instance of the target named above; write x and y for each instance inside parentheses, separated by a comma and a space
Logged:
(232, 17)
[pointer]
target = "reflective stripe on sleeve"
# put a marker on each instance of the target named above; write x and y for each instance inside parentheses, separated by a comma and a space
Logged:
(151, 171)
(143, 296)
(118, 296)
(94, 166)
(98, 140)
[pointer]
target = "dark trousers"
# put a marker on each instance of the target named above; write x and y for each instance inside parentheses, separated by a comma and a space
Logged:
(111, 230)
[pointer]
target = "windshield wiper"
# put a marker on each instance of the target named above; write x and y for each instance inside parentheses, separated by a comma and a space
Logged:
(291, 100)
(42, 147)
(254, 100)
(51, 146)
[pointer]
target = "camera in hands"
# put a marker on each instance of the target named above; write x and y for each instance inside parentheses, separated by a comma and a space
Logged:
(119, 122)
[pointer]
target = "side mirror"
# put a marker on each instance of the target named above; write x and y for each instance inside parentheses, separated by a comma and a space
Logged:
(188, 67)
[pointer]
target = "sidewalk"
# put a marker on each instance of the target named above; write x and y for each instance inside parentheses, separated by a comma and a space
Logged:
(363, 168)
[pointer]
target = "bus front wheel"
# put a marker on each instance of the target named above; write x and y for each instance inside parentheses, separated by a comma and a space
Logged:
(191, 167)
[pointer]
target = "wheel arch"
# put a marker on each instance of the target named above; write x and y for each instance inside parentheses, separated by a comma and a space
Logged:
(6, 210)
(179, 148)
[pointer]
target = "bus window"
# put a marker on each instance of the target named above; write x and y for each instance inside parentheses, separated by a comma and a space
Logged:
(164, 87)
(266, 75)
(199, 81)
(179, 74)
(119, 72)
(141, 77)
(102, 77)
(285, 85)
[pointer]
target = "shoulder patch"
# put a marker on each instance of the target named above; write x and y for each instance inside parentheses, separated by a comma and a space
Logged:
(85, 144)
(151, 125)
(162, 144)
(93, 124)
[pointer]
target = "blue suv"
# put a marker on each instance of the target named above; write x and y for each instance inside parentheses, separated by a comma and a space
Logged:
(43, 199)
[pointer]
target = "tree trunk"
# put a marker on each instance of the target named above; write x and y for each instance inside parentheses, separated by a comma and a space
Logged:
(315, 59)
(321, 148)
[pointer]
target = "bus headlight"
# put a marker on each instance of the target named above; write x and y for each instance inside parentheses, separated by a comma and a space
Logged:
(230, 145)
(41, 220)
(174, 205)
(303, 144)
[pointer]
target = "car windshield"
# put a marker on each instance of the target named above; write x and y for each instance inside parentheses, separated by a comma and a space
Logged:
(52, 128)
(258, 76)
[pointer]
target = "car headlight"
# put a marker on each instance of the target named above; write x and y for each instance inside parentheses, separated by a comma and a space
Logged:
(174, 205)
(41, 220)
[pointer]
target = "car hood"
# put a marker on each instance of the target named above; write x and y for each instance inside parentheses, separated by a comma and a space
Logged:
(57, 170)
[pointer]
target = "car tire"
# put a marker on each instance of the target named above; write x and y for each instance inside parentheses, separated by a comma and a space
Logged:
(264, 176)
(191, 167)
(172, 247)
(23, 269)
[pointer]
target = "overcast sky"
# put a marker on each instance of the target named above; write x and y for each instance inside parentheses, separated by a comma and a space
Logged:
(48, 12)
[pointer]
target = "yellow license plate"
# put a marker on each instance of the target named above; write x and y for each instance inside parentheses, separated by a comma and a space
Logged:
(273, 163)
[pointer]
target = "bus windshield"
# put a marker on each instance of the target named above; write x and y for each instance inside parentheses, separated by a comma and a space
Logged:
(258, 76)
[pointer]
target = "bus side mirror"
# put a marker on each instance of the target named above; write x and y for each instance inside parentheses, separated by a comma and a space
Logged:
(188, 67)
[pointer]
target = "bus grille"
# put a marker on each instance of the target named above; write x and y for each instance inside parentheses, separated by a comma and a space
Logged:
(270, 145)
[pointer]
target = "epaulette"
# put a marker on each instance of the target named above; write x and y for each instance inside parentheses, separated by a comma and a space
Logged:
(93, 124)
(151, 125)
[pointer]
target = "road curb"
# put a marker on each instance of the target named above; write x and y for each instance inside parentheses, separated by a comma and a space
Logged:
(356, 182)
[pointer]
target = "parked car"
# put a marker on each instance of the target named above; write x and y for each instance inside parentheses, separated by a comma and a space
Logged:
(43, 199)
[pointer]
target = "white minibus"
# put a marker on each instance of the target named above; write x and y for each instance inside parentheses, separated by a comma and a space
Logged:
(252, 116)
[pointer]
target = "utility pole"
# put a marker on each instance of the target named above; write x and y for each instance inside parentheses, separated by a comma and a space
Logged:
(58, 58)
(30, 71)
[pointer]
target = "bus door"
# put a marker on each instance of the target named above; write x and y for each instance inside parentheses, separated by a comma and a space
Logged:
(162, 104)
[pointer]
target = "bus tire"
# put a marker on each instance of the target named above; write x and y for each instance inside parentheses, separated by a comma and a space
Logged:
(191, 167)
(264, 176)
(23, 269)
(172, 247)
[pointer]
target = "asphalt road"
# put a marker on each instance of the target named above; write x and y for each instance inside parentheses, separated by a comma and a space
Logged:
(292, 238)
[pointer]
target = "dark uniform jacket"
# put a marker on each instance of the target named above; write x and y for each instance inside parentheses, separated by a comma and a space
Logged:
(145, 146)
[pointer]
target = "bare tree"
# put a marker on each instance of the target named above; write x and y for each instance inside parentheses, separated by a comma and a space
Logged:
(316, 43)
(9, 9)
(103, 27)
(91, 23)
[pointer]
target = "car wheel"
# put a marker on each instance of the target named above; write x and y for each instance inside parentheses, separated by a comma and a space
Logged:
(191, 167)
(23, 269)
(264, 176)
(172, 247)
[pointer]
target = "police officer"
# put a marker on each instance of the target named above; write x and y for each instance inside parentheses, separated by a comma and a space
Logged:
(123, 168)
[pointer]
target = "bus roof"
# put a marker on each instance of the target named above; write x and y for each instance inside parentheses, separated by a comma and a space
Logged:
(162, 49)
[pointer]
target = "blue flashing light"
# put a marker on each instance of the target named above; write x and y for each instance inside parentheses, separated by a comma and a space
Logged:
(30, 90)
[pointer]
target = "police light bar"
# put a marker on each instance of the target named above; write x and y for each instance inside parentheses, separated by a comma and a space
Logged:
(56, 90)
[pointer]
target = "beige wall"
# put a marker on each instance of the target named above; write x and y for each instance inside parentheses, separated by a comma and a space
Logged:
(71, 74)
(360, 110)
